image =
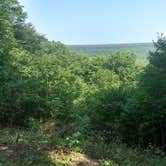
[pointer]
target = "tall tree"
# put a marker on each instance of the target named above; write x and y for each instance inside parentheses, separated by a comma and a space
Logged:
(153, 98)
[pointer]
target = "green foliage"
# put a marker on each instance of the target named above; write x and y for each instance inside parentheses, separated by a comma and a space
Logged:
(140, 49)
(37, 146)
(104, 99)
(27, 38)
(153, 95)
(144, 122)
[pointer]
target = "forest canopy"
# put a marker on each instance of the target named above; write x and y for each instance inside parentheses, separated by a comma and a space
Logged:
(107, 95)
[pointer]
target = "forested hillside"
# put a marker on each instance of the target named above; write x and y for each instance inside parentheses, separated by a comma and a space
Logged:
(140, 49)
(54, 102)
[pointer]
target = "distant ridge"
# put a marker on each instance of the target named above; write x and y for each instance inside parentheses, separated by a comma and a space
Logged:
(141, 49)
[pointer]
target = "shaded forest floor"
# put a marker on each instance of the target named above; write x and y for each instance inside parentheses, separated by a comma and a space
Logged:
(45, 146)
(28, 148)
(22, 154)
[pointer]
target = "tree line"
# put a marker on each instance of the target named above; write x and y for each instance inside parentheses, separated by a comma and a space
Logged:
(113, 96)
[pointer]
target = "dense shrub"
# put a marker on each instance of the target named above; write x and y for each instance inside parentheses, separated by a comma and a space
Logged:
(108, 95)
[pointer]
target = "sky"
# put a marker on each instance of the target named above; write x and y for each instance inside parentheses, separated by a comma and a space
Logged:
(97, 21)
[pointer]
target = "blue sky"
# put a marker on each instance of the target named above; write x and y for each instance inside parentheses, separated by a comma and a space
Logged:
(97, 21)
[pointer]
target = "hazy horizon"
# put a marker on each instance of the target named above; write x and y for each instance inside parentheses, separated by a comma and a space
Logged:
(97, 22)
(110, 43)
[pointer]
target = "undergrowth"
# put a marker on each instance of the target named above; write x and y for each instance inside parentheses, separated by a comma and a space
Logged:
(46, 145)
